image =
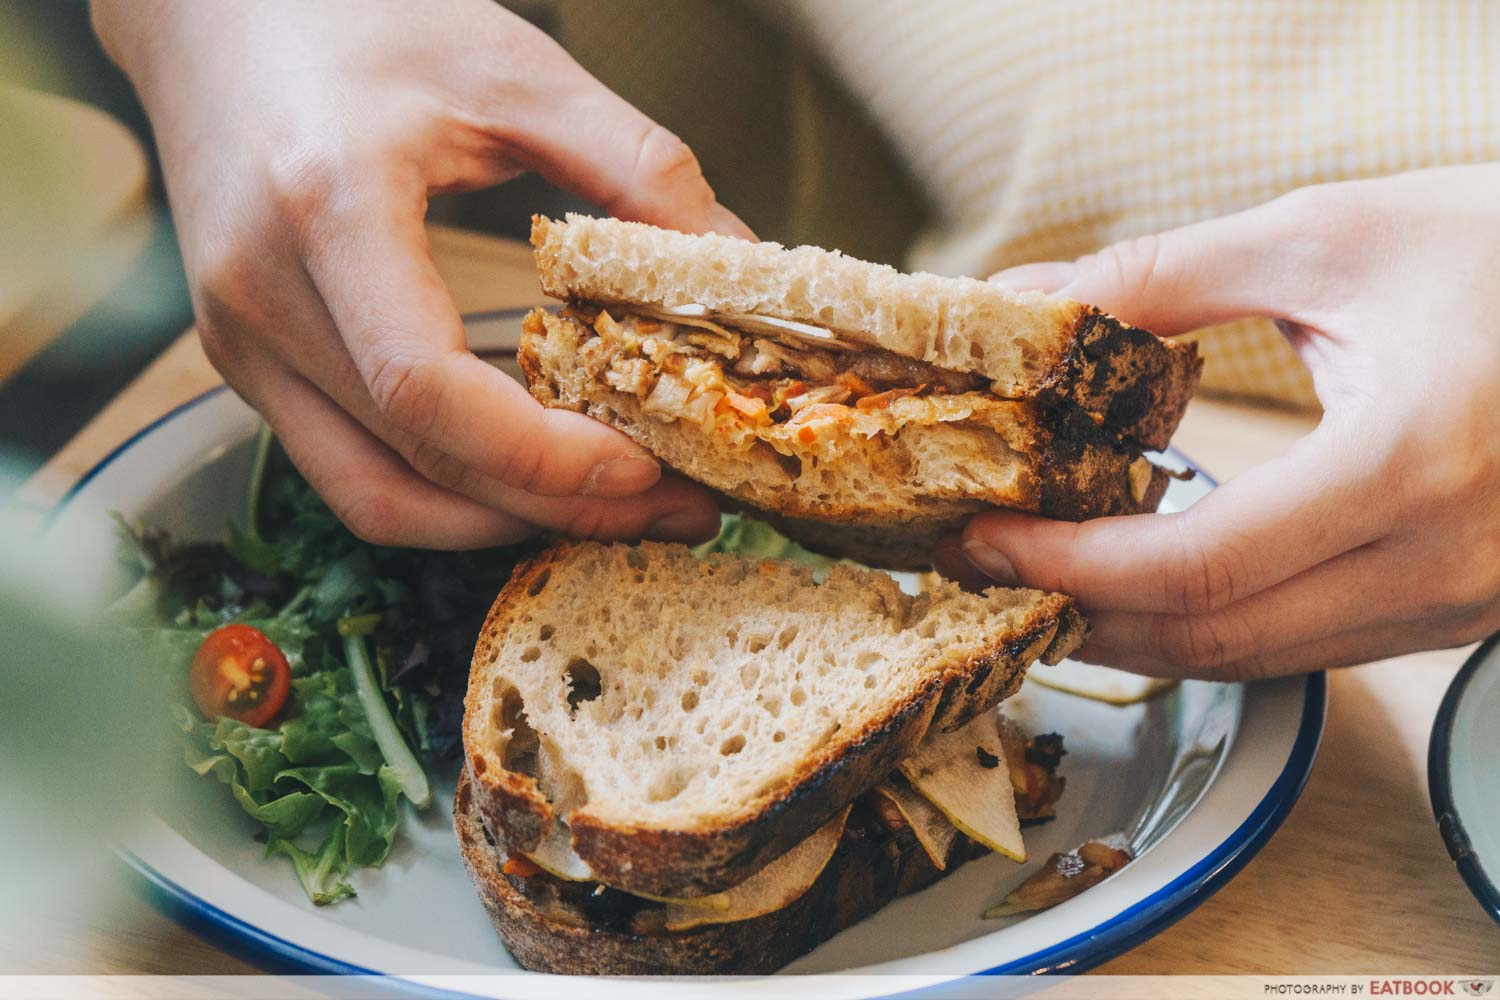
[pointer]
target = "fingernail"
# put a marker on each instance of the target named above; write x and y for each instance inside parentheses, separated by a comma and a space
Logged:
(991, 562)
(1047, 276)
(722, 220)
(689, 525)
(621, 477)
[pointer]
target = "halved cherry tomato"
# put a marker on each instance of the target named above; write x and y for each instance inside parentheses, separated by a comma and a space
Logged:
(240, 673)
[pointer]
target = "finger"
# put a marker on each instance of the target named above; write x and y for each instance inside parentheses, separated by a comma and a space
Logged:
(374, 271)
(948, 560)
(1345, 649)
(1353, 592)
(371, 490)
(586, 139)
(670, 510)
(1246, 264)
(1263, 527)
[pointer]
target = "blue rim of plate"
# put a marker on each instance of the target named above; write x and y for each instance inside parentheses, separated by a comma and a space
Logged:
(1440, 785)
(1077, 954)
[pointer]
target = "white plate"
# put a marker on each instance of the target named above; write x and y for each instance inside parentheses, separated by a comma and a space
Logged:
(1198, 778)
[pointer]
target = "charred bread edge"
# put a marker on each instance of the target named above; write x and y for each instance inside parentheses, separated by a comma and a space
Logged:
(846, 892)
(1138, 383)
(683, 863)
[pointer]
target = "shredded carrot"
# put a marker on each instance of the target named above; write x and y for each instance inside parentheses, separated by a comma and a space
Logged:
(881, 400)
(857, 386)
(755, 409)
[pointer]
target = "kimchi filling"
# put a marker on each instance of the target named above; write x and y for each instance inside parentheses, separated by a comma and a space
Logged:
(708, 373)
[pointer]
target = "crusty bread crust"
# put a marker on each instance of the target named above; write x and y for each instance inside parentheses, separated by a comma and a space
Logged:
(1031, 346)
(692, 862)
(861, 878)
(918, 483)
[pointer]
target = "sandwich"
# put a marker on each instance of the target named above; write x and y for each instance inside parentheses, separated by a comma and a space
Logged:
(685, 764)
(862, 411)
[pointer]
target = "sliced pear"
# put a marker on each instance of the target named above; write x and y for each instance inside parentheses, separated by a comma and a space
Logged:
(778, 884)
(555, 856)
(1106, 684)
(978, 799)
(932, 829)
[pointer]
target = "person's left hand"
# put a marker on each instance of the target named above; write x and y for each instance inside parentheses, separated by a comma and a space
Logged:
(1376, 534)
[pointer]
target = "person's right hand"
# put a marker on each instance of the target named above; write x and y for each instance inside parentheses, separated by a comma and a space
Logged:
(300, 142)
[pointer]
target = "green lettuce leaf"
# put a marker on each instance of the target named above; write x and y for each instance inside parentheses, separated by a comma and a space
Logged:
(320, 871)
(750, 537)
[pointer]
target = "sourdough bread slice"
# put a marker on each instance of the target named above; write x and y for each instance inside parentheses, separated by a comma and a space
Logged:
(903, 484)
(1030, 346)
(692, 719)
(556, 927)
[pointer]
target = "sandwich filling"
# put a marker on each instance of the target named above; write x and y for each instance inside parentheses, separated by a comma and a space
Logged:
(895, 819)
(791, 390)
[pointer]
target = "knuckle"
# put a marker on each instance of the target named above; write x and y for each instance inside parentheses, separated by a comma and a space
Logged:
(436, 465)
(406, 387)
(370, 514)
(523, 465)
(664, 162)
(302, 182)
(1202, 580)
(1475, 624)
(1197, 644)
(1327, 218)
(1133, 267)
(588, 520)
(1463, 470)
(225, 281)
(219, 346)
(1468, 585)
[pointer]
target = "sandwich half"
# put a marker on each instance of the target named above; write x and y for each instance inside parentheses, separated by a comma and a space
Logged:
(868, 411)
(662, 749)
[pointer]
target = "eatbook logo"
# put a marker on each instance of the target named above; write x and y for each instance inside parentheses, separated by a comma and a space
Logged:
(1476, 987)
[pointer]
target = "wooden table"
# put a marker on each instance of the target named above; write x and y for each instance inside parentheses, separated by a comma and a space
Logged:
(1356, 881)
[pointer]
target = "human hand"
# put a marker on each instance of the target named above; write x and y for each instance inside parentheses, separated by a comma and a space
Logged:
(300, 143)
(1376, 534)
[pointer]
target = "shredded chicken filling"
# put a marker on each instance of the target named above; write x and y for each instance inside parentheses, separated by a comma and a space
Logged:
(714, 376)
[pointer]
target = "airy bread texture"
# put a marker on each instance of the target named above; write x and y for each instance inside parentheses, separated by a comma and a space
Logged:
(915, 483)
(692, 719)
(1031, 346)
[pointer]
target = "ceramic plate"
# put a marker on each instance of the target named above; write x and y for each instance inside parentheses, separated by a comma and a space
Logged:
(1463, 771)
(1197, 778)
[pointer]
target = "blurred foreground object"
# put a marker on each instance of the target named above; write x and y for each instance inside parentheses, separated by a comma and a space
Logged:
(73, 185)
(80, 744)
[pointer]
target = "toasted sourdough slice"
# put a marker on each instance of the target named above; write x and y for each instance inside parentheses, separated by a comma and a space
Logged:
(1029, 345)
(570, 929)
(906, 471)
(692, 719)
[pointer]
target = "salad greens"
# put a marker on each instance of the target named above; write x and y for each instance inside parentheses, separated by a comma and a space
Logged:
(756, 538)
(378, 641)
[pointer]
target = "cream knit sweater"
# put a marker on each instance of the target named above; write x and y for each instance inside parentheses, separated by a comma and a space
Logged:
(1044, 130)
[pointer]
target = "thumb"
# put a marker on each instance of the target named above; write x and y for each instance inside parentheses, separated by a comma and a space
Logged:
(1182, 279)
(586, 139)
